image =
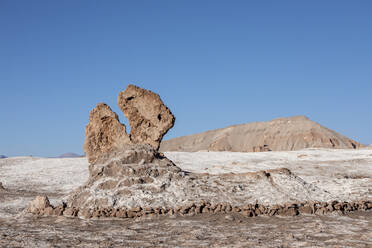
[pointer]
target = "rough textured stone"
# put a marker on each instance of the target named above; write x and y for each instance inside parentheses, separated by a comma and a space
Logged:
(249, 210)
(149, 118)
(104, 133)
(39, 204)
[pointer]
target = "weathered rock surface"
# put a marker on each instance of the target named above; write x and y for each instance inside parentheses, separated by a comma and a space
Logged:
(283, 134)
(148, 117)
(140, 177)
(104, 133)
(39, 205)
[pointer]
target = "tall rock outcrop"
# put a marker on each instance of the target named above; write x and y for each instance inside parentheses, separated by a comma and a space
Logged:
(148, 117)
(104, 133)
(283, 134)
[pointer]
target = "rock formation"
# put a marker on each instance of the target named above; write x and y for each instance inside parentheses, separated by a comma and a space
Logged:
(129, 178)
(40, 205)
(104, 133)
(283, 134)
(148, 117)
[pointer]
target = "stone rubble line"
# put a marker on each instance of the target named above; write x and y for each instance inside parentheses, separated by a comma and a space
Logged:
(249, 210)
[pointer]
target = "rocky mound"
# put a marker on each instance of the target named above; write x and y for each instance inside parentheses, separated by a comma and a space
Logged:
(283, 134)
(142, 177)
(140, 181)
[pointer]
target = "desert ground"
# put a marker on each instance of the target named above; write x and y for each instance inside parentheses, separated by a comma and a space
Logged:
(343, 175)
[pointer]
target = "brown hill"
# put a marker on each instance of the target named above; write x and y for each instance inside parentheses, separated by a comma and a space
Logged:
(283, 134)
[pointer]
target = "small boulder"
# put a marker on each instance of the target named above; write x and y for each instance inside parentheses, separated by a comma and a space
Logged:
(39, 204)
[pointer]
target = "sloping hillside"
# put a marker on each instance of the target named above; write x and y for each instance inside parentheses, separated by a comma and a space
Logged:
(283, 134)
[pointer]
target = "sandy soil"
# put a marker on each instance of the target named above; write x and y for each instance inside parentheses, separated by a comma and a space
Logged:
(346, 174)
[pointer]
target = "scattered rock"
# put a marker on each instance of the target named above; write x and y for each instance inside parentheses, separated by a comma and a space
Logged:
(41, 207)
(229, 217)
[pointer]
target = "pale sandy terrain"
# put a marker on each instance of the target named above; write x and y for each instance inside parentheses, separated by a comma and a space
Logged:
(342, 174)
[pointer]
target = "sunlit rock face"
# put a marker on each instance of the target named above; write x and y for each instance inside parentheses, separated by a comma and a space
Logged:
(149, 120)
(104, 133)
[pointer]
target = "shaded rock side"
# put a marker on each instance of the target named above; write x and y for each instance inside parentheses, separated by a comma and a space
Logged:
(149, 118)
(283, 134)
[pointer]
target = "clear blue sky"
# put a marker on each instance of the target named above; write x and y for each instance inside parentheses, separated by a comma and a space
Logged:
(214, 63)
